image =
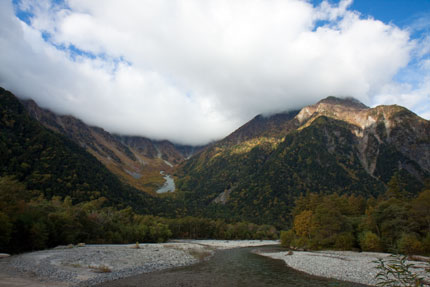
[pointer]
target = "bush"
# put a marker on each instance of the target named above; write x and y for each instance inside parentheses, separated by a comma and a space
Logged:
(369, 241)
(426, 244)
(409, 244)
(287, 238)
(303, 243)
(395, 271)
(344, 241)
(5, 231)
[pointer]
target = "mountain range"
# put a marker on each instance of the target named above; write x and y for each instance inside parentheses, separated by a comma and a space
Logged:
(255, 174)
(336, 145)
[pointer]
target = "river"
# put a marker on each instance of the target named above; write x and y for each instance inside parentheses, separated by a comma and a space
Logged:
(169, 184)
(235, 267)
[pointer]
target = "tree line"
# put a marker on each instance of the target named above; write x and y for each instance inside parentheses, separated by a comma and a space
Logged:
(29, 221)
(393, 222)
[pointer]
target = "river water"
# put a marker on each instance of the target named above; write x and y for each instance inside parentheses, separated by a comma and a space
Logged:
(169, 184)
(235, 267)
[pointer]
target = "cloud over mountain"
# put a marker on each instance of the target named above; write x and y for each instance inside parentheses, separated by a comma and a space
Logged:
(193, 71)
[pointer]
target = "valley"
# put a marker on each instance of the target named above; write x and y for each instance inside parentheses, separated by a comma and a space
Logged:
(214, 143)
(136, 161)
(333, 175)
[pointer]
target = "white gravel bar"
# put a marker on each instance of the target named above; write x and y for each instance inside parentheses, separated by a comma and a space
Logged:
(84, 266)
(228, 244)
(342, 265)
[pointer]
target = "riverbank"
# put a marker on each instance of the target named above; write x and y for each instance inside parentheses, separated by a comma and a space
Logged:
(357, 267)
(93, 264)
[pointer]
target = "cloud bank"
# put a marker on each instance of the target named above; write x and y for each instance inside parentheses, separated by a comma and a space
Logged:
(193, 71)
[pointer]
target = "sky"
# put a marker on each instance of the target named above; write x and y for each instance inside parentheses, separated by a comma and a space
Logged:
(193, 71)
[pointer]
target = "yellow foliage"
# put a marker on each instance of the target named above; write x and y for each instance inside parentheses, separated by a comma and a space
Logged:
(303, 224)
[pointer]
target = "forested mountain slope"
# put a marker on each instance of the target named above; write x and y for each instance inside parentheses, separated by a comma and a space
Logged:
(135, 160)
(336, 145)
(53, 165)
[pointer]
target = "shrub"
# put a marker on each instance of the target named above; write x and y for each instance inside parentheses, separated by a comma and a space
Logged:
(409, 244)
(303, 243)
(344, 241)
(395, 271)
(287, 238)
(426, 244)
(369, 241)
(5, 231)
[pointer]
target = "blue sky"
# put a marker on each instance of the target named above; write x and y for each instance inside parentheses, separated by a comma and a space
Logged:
(400, 12)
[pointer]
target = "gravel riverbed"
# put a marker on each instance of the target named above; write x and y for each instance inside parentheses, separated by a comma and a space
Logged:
(349, 266)
(92, 264)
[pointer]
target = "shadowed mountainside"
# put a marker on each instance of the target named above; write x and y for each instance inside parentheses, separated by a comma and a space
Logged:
(51, 164)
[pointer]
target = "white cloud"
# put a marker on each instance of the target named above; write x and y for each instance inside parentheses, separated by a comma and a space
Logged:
(193, 71)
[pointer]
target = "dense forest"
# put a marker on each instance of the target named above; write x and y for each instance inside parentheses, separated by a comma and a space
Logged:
(29, 221)
(55, 166)
(396, 221)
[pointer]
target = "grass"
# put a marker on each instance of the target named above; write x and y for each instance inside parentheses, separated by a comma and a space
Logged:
(136, 246)
(100, 268)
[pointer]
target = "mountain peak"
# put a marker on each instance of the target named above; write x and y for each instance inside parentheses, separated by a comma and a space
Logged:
(347, 102)
(338, 108)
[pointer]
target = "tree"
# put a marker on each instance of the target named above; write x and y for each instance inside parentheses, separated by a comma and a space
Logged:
(409, 244)
(369, 241)
(420, 210)
(287, 237)
(5, 231)
(389, 220)
(396, 189)
(303, 224)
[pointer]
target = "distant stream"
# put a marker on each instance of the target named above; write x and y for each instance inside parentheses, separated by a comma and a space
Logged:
(169, 184)
(236, 267)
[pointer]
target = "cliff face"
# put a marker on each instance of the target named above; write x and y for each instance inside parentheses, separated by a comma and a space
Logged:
(373, 127)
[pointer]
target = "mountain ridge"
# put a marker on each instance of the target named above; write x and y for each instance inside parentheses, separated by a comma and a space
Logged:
(257, 172)
(336, 145)
(52, 165)
(136, 160)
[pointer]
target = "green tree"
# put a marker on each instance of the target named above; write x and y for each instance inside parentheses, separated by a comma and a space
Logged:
(344, 241)
(409, 244)
(395, 187)
(420, 211)
(287, 238)
(5, 231)
(389, 220)
(369, 241)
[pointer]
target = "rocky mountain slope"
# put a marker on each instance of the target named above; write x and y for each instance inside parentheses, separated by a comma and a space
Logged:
(336, 145)
(136, 160)
(50, 164)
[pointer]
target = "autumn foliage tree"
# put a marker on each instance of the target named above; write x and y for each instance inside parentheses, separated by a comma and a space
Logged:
(393, 222)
